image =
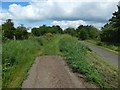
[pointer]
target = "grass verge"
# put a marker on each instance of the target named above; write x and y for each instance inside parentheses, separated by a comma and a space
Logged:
(89, 64)
(17, 58)
(108, 72)
(110, 48)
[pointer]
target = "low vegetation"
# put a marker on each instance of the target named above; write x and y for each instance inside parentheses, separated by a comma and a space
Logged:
(108, 72)
(88, 63)
(20, 49)
(18, 56)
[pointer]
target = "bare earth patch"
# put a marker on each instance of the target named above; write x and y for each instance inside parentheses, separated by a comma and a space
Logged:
(53, 72)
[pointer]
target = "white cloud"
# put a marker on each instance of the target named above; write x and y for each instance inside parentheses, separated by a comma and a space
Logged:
(4, 14)
(76, 0)
(66, 24)
(51, 9)
(84, 10)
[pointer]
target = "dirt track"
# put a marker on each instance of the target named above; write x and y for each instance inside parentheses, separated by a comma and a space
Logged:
(52, 72)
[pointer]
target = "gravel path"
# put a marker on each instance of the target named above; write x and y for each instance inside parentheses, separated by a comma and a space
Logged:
(52, 72)
(111, 57)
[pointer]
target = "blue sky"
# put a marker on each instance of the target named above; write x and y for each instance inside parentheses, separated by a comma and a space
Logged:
(5, 6)
(66, 14)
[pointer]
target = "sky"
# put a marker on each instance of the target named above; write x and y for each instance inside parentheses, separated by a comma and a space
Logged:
(66, 13)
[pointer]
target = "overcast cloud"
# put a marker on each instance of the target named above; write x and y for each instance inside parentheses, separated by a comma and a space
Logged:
(66, 14)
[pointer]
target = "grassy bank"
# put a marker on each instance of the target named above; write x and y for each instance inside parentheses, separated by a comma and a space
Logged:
(18, 56)
(108, 73)
(88, 63)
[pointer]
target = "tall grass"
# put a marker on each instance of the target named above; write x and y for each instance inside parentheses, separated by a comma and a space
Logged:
(108, 72)
(50, 46)
(78, 60)
(17, 58)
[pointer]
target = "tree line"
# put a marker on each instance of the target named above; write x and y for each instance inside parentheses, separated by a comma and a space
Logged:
(111, 30)
(20, 33)
(10, 32)
(109, 33)
(41, 30)
(82, 32)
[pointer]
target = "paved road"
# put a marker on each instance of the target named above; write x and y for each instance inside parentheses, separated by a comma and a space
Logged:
(113, 58)
(52, 72)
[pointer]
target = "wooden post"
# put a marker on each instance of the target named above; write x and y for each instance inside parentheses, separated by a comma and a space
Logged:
(14, 37)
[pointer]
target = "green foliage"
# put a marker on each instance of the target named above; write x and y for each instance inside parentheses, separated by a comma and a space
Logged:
(10, 32)
(17, 57)
(110, 32)
(56, 29)
(70, 31)
(78, 59)
(75, 54)
(35, 31)
(106, 46)
(21, 33)
(109, 46)
(108, 73)
(51, 45)
(8, 29)
(116, 19)
(87, 32)
(84, 34)
(46, 29)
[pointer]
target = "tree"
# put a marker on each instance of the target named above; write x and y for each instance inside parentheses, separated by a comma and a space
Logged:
(111, 30)
(35, 31)
(90, 32)
(8, 29)
(57, 29)
(0, 34)
(70, 31)
(115, 20)
(46, 29)
(93, 32)
(84, 34)
(21, 32)
(107, 34)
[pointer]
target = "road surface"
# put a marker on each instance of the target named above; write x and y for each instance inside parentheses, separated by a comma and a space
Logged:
(111, 57)
(53, 72)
